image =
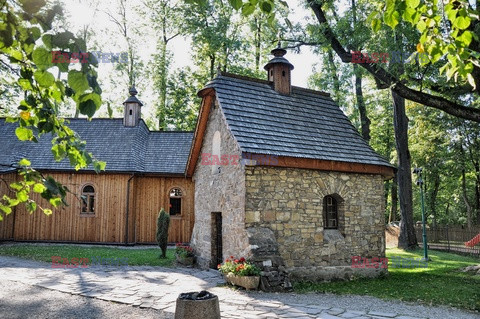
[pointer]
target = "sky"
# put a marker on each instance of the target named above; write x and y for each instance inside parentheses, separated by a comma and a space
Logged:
(81, 14)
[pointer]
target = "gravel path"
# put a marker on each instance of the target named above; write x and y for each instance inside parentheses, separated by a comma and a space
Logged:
(48, 292)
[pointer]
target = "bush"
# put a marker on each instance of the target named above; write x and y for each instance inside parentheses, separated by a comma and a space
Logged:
(163, 222)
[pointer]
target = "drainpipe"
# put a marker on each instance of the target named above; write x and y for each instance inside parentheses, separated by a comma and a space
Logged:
(127, 208)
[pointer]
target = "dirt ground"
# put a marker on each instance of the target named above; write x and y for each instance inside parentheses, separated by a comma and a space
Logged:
(391, 236)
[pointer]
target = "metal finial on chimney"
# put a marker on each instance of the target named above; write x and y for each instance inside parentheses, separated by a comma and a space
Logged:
(133, 91)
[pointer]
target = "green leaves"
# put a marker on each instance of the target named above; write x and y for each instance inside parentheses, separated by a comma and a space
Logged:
(78, 81)
(412, 3)
(236, 4)
(99, 166)
(39, 188)
(89, 104)
(28, 47)
(462, 22)
(430, 21)
(44, 78)
(266, 6)
(23, 133)
(42, 58)
(87, 107)
(24, 162)
(248, 8)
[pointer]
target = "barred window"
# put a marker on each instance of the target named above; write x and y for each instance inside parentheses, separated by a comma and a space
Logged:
(176, 201)
(330, 211)
(88, 200)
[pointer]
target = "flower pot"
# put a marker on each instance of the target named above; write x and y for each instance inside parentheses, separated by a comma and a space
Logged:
(187, 261)
(247, 282)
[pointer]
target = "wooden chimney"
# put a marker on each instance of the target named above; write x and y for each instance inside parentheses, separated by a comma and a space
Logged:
(279, 70)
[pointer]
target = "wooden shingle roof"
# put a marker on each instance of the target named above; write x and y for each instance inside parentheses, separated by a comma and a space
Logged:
(306, 124)
(125, 149)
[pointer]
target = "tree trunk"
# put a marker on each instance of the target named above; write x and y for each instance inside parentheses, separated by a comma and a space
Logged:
(162, 103)
(394, 208)
(258, 43)
(334, 73)
(364, 120)
(433, 202)
(407, 238)
(212, 66)
(466, 201)
(477, 191)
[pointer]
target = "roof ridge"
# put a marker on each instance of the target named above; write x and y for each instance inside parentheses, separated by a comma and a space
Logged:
(245, 77)
(311, 91)
(249, 78)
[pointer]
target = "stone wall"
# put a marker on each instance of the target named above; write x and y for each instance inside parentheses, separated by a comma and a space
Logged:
(221, 190)
(289, 202)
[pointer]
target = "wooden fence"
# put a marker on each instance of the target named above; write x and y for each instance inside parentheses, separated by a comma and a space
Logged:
(451, 239)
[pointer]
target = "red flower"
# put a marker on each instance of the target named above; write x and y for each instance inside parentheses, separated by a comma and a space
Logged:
(242, 260)
(219, 266)
(231, 257)
(236, 261)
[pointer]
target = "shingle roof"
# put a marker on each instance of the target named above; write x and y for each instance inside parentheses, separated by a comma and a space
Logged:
(125, 149)
(305, 124)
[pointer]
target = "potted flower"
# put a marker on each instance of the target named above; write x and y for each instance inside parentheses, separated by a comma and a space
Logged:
(184, 254)
(240, 272)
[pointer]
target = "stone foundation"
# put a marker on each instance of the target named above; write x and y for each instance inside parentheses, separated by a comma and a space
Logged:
(266, 256)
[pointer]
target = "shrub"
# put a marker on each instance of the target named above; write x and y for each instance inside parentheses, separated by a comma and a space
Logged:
(163, 222)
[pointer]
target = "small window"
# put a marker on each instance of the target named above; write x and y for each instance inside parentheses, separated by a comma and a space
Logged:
(283, 73)
(330, 209)
(216, 152)
(88, 200)
(131, 112)
(176, 201)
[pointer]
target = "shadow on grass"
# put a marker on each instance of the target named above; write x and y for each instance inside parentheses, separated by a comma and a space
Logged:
(442, 283)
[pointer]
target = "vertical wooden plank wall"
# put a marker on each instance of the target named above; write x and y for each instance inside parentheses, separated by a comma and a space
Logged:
(152, 193)
(147, 196)
(6, 226)
(66, 224)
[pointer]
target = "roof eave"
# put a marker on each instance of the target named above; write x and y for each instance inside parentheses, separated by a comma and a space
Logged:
(387, 172)
(208, 96)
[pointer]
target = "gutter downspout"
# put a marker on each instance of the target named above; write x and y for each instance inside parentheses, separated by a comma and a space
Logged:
(127, 208)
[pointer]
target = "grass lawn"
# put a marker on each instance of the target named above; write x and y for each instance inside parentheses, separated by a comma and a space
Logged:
(136, 256)
(440, 284)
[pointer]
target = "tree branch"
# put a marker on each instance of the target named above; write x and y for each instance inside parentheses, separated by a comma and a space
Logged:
(390, 80)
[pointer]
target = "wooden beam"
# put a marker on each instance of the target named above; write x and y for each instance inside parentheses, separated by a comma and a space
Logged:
(208, 96)
(323, 165)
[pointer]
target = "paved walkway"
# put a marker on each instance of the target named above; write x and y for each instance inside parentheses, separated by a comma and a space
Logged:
(158, 288)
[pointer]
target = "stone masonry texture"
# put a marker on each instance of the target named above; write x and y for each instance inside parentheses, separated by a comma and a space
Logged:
(223, 192)
(289, 202)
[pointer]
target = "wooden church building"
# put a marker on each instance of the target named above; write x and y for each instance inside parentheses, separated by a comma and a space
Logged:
(144, 173)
